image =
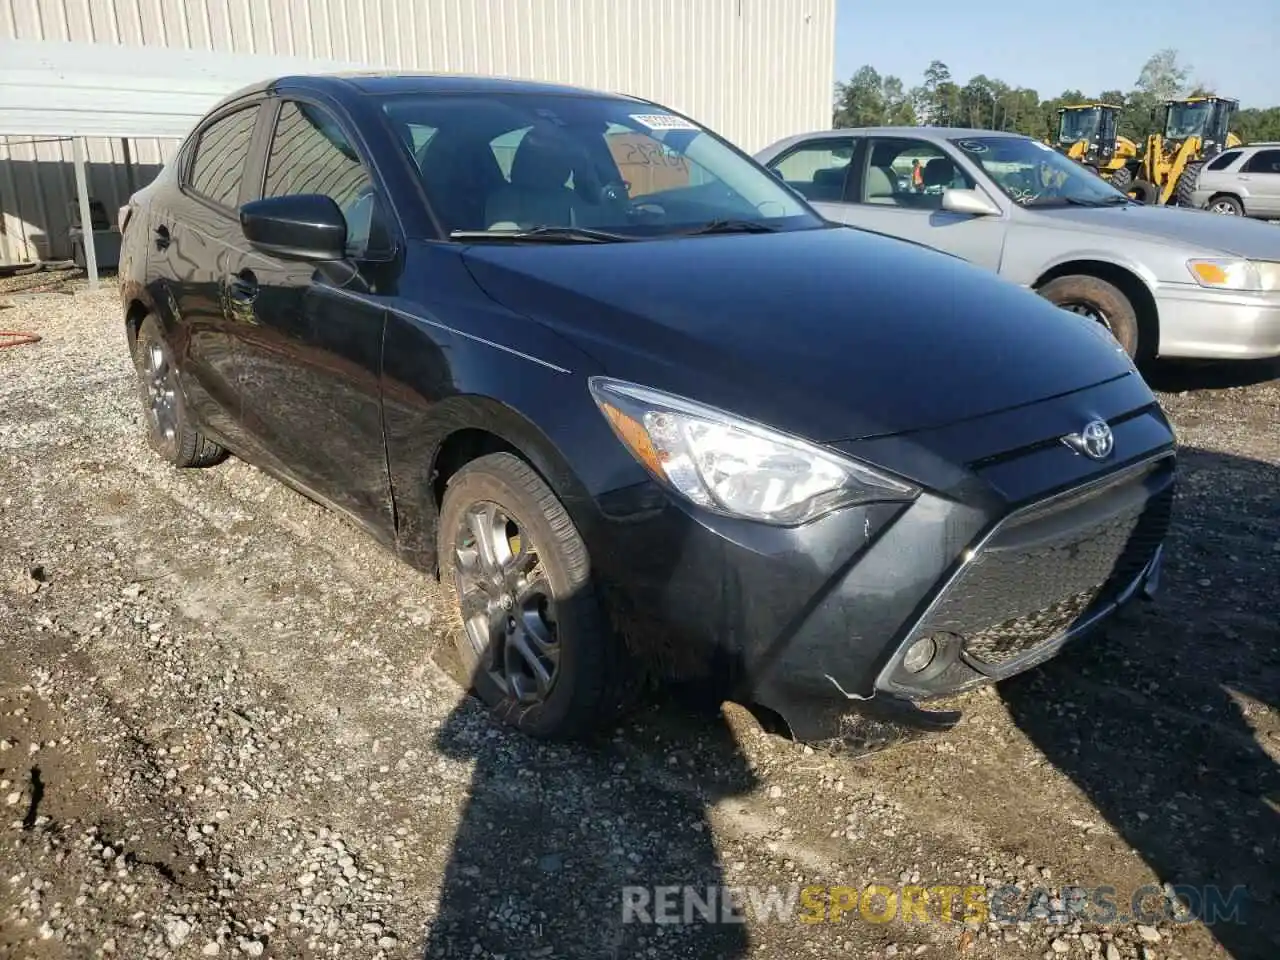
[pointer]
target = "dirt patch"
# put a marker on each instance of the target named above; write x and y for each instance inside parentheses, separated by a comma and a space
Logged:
(224, 734)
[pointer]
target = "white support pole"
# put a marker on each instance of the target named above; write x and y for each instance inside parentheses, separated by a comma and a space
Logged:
(86, 216)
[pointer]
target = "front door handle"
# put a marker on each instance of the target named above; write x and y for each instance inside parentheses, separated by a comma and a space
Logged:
(243, 287)
(162, 237)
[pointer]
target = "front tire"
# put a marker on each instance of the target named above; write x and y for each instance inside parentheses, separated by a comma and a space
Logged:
(170, 430)
(532, 638)
(1100, 301)
(1185, 191)
(1226, 205)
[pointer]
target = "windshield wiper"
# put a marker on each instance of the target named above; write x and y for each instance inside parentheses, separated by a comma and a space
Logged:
(542, 234)
(729, 226)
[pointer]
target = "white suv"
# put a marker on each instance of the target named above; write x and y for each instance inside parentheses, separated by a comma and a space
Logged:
(1242, 182)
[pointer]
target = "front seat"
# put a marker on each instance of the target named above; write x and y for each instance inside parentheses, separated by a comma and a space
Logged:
(459, 177)
(880, 187)
(939, 172)
(537, 195)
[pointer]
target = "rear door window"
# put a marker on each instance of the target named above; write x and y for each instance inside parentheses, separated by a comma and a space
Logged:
(817, 169)
(217, 169)
(1264, 161)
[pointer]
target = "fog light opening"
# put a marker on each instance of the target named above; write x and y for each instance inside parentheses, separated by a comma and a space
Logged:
(919, 655)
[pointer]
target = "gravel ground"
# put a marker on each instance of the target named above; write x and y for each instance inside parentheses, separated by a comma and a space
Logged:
(223, 733)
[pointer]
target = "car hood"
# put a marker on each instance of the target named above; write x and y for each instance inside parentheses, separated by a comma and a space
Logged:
(1196, 230)
(831, 334)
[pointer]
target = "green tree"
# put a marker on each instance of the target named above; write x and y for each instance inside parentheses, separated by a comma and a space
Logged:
(899, 109)
(1163, 76)
(860, 102)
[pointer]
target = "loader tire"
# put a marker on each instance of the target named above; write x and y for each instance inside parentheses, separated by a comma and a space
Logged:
(1122, 180)
(1187, 184)
(1144, 191)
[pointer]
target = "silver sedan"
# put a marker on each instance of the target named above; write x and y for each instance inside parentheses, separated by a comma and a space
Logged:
(1165, 281)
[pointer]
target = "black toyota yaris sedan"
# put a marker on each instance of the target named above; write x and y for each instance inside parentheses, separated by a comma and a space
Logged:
(638, 405)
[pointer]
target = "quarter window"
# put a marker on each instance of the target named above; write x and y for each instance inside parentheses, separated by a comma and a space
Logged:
(1264, 161)
(221, 151)
(310, 154)
(817, 170)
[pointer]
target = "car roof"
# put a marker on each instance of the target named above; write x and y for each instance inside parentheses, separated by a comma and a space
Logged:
(935, 134)
(386, 82)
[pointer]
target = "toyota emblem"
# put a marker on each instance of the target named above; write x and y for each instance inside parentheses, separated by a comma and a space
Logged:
(1095, 440)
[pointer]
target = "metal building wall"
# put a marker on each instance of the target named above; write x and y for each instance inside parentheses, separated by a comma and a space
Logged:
(753, 70)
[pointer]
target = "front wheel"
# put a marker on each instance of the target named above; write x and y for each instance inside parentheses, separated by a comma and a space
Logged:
(1226, 205)
(1100, 301)
(532, 640)
(1185, 191)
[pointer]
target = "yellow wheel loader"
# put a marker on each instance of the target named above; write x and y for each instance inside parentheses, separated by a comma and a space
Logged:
(1087, 134)
(1195, 130)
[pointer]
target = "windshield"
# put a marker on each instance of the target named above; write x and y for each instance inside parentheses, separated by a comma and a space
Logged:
(520, 162)
(1187, 120)
(1078, 125)
(1031, 174)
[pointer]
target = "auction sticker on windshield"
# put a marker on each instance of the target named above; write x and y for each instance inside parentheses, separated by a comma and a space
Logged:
(663, 121)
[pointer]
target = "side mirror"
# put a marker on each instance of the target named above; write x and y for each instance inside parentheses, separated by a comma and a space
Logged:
(306, 226)
(777, 173)
(968, 201)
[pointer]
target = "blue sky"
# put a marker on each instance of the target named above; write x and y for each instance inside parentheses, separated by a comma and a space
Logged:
(1089, 45)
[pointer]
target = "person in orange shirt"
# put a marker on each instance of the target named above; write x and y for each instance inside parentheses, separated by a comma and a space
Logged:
(917, 175)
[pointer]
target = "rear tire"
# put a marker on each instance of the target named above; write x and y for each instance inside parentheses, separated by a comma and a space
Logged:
(1100, 301)
(531, 639)
(171, 431)
(1184, 194)
(1226, 205)
(1144, 191)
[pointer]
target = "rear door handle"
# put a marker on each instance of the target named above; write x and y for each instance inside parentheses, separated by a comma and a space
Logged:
(162, 237)
(243, 287)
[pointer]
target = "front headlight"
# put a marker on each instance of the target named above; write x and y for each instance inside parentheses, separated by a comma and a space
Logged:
(1251, 276)
(733, 466)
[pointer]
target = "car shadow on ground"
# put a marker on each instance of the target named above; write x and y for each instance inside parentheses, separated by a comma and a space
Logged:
(1177, 376)
(1155, 719)
(556, 840)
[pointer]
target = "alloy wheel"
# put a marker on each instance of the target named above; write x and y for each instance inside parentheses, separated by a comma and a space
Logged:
(1226, 209)
(162, 403)
(507, 606)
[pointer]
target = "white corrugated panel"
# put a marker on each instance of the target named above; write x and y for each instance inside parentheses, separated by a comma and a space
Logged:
(753, 70)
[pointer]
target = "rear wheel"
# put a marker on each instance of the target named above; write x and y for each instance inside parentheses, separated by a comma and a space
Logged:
(1226, 205)
(1187, 184)
(170, 430)
(532, 642)
(1100, 301)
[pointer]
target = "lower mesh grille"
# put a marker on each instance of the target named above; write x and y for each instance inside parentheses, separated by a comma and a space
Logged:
(1051, 568)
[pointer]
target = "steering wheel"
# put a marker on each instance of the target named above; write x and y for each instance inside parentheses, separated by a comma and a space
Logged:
(617, 194)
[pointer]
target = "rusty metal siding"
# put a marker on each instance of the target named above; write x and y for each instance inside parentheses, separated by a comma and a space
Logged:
(753, 70)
